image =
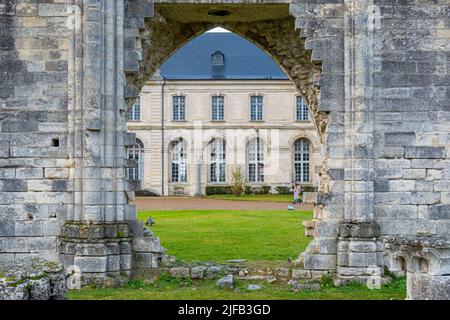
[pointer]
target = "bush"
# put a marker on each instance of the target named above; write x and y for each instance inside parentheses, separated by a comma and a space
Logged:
(266, 189)
(210, 190)
(283, 190)
(309, 189)
(238, 181)
(257, 189)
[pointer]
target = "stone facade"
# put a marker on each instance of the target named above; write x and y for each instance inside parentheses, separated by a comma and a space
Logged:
(279, 131)
(374, 72)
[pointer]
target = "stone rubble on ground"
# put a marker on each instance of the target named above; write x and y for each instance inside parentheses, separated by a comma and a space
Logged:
(254, 287)
(32, 279)
(227, 281)
(150, 221)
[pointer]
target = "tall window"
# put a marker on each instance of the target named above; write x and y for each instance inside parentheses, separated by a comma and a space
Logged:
(135, 112)
(256, 108)
(302, 112)
(179, 161)
(301, 160)
(136, 153)
(217, 160)
(255, 160)
(217, 105)
(179, 108)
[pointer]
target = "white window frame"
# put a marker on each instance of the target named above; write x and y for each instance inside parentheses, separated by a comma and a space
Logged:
(179, 108)
(256, 108)
(178, 158)
(302, 160)
(301, 109)
(255, 160)
(217, 161)
(135, 112)
(136, 153)
(217, 108)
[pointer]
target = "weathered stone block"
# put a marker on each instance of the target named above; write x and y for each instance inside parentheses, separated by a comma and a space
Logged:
(197, 272)
(180, 272)
(356, 259)
(438, 212)
(320, 262)
(91, 264)
(301, 274)
(7, 228)
(56, 173)
(29, 229)
(424, 152)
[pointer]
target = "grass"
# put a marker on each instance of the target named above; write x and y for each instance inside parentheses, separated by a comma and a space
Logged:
(167, 288)
(216, 235)
(255, 197)
(262, 237)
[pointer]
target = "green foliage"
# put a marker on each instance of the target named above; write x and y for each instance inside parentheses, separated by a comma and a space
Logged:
(283, 190)
(166, 288)
(266, 189)
(256, 197)
(256, 190)
(309, 189)
(212, 190)
(326, 282)
(238, 180)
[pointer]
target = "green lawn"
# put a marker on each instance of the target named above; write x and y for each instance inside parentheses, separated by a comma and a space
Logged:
(215, 235)
(255, 197)
(262, 237)
(167, 288)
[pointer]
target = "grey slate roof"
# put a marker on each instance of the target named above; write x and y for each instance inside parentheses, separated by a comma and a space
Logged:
(243, 60)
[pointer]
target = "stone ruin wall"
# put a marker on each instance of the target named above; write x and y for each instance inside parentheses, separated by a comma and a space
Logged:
(382, 112)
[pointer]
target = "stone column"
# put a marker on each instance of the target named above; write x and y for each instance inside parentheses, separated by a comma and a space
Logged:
(102, 232)
(359, 251)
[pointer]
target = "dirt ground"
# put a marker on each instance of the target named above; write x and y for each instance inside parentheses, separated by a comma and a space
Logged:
(188, 203)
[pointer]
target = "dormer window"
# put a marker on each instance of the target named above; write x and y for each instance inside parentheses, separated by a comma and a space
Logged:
(218, 59)
(218, 65)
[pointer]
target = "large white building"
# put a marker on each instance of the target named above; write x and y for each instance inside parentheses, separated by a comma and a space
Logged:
(217, 104)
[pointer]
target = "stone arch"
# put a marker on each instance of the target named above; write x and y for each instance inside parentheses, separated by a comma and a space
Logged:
(280, 39)
(296, 36)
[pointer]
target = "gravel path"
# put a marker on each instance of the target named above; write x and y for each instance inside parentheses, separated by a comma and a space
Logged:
(187, 203)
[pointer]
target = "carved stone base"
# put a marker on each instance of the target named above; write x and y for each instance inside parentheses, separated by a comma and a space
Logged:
(427, 287)
(426, 261)
(105, 253)
(359, 252)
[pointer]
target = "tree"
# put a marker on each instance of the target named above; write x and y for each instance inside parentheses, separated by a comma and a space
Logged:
(238, 181)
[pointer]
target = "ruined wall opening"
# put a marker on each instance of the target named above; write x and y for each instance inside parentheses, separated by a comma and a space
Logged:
(273, 30)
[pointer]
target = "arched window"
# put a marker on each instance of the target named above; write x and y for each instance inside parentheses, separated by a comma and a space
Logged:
(301, 160)
(136, 153)
(217, 159)
(255, 168)
(135, 112)
(301, 111)
(179, 161)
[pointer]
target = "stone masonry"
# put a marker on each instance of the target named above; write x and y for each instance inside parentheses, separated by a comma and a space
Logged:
(376, 74)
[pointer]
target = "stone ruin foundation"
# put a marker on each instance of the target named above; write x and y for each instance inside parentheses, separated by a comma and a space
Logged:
(32, 279)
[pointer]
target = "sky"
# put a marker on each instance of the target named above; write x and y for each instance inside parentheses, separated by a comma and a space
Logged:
(218, 30)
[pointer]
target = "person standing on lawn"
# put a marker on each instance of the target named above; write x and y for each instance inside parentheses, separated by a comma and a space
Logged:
(297, 194)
